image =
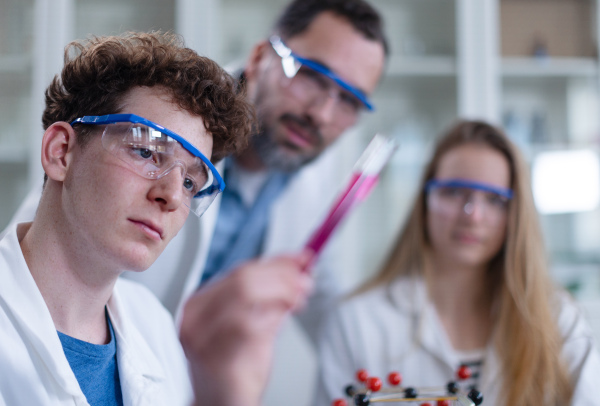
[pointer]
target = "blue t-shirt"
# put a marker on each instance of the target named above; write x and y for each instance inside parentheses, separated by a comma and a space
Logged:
(95, 367)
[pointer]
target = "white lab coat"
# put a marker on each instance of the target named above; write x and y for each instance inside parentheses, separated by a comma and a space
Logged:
(33, 366)
(382, 332)
(302, 205)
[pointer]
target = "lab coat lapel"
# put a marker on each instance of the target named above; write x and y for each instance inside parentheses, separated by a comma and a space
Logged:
(410, 296)
(32, 315)
(141, 374)
(491, 381)
(436, 341)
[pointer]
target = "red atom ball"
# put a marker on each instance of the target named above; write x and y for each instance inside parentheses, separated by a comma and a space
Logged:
(362, 375)
(443, 403)
(425, 404)
(374, 383)
(394, 378)
(339, 402)
(464, 372)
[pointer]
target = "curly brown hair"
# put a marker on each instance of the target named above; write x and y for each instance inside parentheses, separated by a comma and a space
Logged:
(98, 73)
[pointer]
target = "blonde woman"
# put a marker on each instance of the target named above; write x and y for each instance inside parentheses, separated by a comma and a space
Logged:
(467, 284)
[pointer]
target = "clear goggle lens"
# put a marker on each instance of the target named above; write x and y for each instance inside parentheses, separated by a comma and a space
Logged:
(453, 197)
(311, 86)
(309, 80)
(153, 154)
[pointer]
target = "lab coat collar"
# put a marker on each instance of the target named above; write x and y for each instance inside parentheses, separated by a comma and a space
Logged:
(410, 296)
(139, 369)
(24, 302)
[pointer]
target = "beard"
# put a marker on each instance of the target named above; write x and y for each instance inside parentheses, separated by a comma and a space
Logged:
(274, 151)
(285, 157)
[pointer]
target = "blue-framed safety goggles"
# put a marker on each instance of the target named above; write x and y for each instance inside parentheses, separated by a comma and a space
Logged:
(292, 62)
(469, 184)
(153, 151)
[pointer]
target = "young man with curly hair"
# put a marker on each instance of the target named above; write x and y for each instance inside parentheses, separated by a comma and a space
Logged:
(132, 126)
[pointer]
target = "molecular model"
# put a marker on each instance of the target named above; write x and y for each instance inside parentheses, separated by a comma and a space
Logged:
(370, 390)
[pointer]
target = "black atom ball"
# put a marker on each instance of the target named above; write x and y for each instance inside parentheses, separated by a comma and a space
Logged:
(350, 390)
(361, 400)
(452, 387)
(410, 393)
(476, 397)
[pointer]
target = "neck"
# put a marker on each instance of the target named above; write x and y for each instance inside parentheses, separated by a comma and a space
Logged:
(73, 284)
(463, 302)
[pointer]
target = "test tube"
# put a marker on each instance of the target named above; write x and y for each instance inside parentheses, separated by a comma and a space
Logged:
(365, 175)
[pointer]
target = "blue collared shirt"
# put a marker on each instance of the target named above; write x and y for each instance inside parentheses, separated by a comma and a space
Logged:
(243, 217)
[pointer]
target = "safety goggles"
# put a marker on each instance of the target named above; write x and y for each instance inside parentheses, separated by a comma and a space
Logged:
(452, 197)
(311, 81)
(152, 151)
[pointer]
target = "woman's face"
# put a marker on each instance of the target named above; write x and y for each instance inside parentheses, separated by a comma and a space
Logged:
(467, 227)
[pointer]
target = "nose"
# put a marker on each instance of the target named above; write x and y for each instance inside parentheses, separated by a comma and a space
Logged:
(473, 208)
(322, 109)
(168, 191)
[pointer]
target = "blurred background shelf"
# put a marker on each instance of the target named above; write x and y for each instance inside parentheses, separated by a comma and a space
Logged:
(549, 67)
(421, 66)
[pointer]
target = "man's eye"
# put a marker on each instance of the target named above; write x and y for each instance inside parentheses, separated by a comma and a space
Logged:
(350, 102)
(316, 78)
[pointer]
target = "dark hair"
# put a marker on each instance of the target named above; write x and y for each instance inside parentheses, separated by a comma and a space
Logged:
(299, 14)
(100, 71)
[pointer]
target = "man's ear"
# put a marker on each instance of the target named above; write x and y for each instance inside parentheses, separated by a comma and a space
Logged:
(57, 147)
(256, 60)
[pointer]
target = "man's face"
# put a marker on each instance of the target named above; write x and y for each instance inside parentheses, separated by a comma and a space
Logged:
(121, 215)
(294, 131)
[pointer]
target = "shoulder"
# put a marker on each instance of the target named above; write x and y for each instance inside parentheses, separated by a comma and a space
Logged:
(401, 298)
(374, 314)
(579, 350)
(571, 321)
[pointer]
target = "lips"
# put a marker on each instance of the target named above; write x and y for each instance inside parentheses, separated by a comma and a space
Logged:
(301, 134)
(468, 238)
(149, 228)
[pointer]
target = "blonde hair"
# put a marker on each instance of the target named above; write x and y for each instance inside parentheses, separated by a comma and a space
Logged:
(526, 334)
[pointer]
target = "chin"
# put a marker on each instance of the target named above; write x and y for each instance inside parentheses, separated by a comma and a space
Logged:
(137, 259)
(470, 259)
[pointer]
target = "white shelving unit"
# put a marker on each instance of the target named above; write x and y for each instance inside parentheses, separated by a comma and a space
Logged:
(550, 85)
(549, 67)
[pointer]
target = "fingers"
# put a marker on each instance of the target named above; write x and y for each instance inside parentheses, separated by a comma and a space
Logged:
(277, 283)
(229, 327)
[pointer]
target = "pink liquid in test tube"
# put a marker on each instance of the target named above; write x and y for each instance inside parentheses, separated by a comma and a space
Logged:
(364, 178)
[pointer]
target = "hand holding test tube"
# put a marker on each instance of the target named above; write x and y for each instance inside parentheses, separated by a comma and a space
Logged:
(365, 175)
